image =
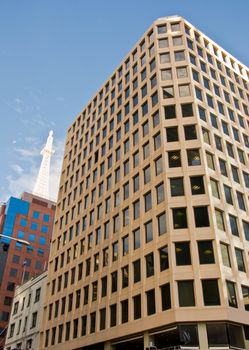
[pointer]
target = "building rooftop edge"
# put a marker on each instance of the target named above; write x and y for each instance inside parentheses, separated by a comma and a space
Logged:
(171, 17)
(22, 287)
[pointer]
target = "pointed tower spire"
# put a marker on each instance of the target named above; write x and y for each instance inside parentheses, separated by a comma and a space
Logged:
(41, 188)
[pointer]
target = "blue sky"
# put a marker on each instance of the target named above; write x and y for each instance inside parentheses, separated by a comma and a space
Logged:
(54, 55)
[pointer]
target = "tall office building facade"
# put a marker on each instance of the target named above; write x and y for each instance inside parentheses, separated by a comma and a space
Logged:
(28, 218)
(151, 236)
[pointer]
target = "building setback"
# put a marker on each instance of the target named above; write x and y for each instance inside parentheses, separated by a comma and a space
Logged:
(29, 218)
(151, 234)
(26, 314)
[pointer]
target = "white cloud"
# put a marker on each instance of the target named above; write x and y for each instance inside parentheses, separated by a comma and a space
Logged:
(28, 154)
(25, 177)
(17, 168)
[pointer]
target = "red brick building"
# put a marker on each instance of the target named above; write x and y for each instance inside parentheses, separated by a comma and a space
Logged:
(29, 218)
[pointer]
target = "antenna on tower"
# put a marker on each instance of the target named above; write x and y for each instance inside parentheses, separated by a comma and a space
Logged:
(41, 188)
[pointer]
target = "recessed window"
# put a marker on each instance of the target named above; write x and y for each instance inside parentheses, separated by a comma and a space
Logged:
(170, 112)
(147, 201)
(179, 218)
(136, 209)
(197, 185)
(161, 29)
(164, 258)
(187, 110)
(219, 219)
(165, 295)
(184, 90)
(179, 56)
(148, 231)
(186, 293)
(113, 315)
(151, 303)
(125, 242)
(181, 72)
(175, 27)
(241, 202)
(174, 158)
(147, 175)
(206, 253)
(160, 193)
(114, 280)
(124, 311)
(136, 239)
(149, 265)
(201, 216)
(190, 132)
(157, 141)
(245, 293)
(182, 251)
(146, 150)
(177, 40)
(193, 157)
(162, 43)
(172, 134)
(231, 293)
(210, 290)
(161, 223)
(202, 113)
(136, 271)
(234, 225)
(177, 186)
(210, 160)
(225, 254)
(137, 306)
(168, 92)
(166, 74)
(240, 259)
(102, 319)
(215, 188)
(164, 58)
(206, 136)
(158, 166)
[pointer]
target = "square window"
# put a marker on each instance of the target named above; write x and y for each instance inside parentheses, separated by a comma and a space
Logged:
(177, 187)
(164, 258)
(181, 72)
(197, 185)
(161, 29)
(190, 132)
(210, 290)
(193, 157)
(201, 216)
(186, 293)
(179, 56)
(170, 112)
(182, 251)
(175, 27)
(168, 92)
(166, 74)
(180, 218)
(177, 40)
(174, 158)
(184, 90)
(206, 253)
(187, 110)
(164, 58)
(163, 43)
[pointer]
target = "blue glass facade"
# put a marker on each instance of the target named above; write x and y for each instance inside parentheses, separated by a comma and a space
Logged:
(14, 206)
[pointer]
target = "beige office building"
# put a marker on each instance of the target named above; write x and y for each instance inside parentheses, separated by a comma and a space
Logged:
(151, 237)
